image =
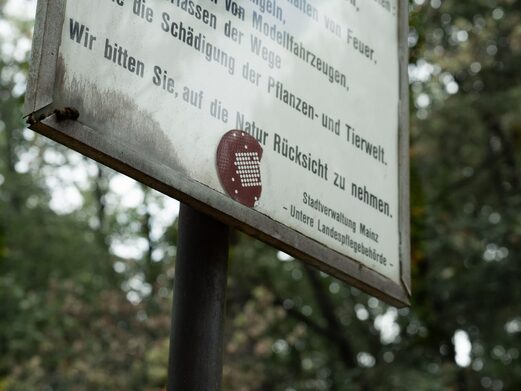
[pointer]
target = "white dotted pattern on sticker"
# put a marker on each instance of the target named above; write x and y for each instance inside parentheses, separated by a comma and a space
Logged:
(248, 168)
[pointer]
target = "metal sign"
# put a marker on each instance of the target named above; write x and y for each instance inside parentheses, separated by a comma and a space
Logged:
(286, 119)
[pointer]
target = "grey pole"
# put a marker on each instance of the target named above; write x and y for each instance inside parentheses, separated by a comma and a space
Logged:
(196, 340)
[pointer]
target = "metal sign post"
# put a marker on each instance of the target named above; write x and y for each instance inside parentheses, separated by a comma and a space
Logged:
(196, 343)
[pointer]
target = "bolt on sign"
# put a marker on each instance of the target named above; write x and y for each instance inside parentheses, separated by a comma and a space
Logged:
(284, 118)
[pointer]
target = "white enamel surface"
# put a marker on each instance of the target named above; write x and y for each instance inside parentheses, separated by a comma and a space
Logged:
(370, 105)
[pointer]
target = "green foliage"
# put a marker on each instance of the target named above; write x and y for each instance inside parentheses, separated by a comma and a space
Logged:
(74, 315)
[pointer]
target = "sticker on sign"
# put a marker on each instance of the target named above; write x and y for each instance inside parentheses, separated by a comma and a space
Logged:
(286, 119)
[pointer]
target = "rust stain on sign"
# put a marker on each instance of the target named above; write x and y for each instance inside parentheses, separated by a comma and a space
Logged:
(117, 115)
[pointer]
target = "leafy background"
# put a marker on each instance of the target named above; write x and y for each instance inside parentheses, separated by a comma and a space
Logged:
(87, 256)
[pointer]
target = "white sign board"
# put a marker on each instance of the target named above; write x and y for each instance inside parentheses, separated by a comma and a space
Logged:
(312, 86)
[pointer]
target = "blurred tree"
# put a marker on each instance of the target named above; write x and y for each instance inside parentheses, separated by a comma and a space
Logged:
(66, 322)
(465, 154)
